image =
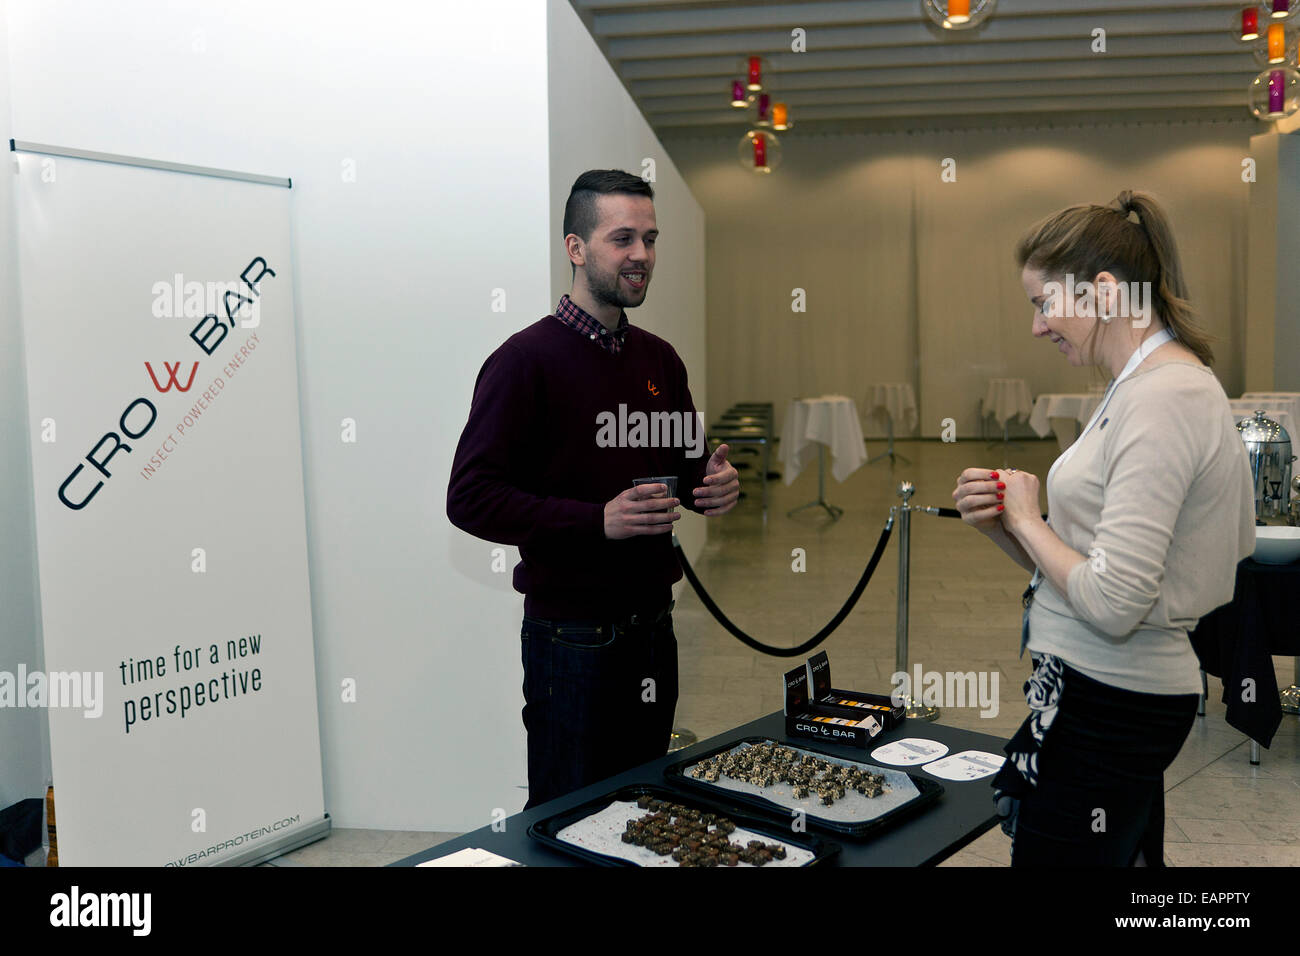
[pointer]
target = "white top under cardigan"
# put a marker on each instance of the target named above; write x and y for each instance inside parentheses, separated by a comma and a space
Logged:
(1159, 496)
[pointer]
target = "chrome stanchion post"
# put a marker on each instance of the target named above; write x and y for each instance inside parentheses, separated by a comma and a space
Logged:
(905, 491)
(915, 709)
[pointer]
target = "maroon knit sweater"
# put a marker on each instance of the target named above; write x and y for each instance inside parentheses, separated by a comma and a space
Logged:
(530, 471)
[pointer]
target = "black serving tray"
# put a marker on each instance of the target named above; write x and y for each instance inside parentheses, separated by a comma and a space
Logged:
(928, 791)
(545, 831)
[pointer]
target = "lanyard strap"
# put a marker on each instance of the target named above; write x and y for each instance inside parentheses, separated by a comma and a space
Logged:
(1137, 358)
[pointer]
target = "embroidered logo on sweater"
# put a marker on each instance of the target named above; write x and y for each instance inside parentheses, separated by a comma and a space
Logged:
(650, 385)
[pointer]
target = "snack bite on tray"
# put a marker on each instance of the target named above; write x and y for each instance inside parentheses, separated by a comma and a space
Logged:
(765, 765)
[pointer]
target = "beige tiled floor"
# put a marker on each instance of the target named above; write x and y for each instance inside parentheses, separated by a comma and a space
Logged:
(965, 615)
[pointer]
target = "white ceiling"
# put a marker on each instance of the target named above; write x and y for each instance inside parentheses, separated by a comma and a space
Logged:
(881, 64)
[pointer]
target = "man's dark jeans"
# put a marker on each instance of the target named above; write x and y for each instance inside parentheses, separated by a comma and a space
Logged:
(599, 698)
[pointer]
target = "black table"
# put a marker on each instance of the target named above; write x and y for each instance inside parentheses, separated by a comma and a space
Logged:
(962, 813)
(1237, 641)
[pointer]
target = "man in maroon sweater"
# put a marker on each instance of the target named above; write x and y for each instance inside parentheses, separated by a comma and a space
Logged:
(565, 415)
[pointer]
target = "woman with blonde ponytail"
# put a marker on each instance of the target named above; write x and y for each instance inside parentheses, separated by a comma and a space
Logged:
(1149, 512)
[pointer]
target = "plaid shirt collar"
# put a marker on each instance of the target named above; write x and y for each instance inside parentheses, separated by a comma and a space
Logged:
(581, 321)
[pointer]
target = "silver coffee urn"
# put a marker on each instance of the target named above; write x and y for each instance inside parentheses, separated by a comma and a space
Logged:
(1269, 449)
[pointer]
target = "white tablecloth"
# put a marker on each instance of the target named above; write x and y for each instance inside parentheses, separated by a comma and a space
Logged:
(830, 420)
(892, 401)
(1058, 412)
(1245, 408)
(1007, 398)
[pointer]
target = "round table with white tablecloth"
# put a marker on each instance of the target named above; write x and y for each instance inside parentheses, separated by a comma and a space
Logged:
(1007, 398)
(831, 421)
(1063, 413)
(892, 404)
(896, 401)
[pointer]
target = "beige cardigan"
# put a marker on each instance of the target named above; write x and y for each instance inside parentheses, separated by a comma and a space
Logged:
(1159, 497)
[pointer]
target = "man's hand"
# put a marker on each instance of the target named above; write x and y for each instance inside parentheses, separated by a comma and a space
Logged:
(642, 509)
(721, 488)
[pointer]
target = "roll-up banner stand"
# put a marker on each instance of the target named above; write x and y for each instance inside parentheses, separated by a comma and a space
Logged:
(162, 387)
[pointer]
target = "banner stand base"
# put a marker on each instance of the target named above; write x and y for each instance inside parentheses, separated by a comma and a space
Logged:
(286, 844)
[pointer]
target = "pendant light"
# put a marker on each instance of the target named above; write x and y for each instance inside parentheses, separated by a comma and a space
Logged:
(759, 151)
(958, 14)
(1275, 93)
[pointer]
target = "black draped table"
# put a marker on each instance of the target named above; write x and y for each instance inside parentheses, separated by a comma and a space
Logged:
(1237, 641)
(963, 812)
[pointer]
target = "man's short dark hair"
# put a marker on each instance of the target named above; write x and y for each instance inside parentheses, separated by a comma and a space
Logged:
(580, 211)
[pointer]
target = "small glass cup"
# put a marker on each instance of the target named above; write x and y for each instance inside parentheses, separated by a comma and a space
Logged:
(669, 480)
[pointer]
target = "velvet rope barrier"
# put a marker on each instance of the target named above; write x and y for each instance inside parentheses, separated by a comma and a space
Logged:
(817, 638)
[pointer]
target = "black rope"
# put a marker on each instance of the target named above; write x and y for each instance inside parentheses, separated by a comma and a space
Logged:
(954, 513)
(817, 638)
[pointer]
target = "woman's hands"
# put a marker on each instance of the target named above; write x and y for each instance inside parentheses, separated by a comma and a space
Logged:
(1021, 500)
(987, 498)
(980, 495)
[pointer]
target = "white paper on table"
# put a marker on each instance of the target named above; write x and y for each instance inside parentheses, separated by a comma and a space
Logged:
(967, 765)
(909, 751)
(471, 856)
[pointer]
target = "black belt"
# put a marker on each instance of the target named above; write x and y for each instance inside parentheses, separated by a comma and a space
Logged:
(635, 619)
(648, 618)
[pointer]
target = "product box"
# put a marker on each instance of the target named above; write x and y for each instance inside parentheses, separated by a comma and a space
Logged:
(834, 724)
(821, 693)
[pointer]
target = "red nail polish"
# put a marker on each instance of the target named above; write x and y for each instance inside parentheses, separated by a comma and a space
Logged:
(1002, 485)
(993, 475)
(999, 496)
(1000, 507)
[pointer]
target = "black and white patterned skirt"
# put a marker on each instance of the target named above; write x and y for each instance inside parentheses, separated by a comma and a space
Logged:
(1042, 693)
(1083, 783)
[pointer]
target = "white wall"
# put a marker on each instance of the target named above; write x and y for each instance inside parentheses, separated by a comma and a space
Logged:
(459, 190)
(1272, 335)
(1286, 336)
(437, 105)
(596, 125)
